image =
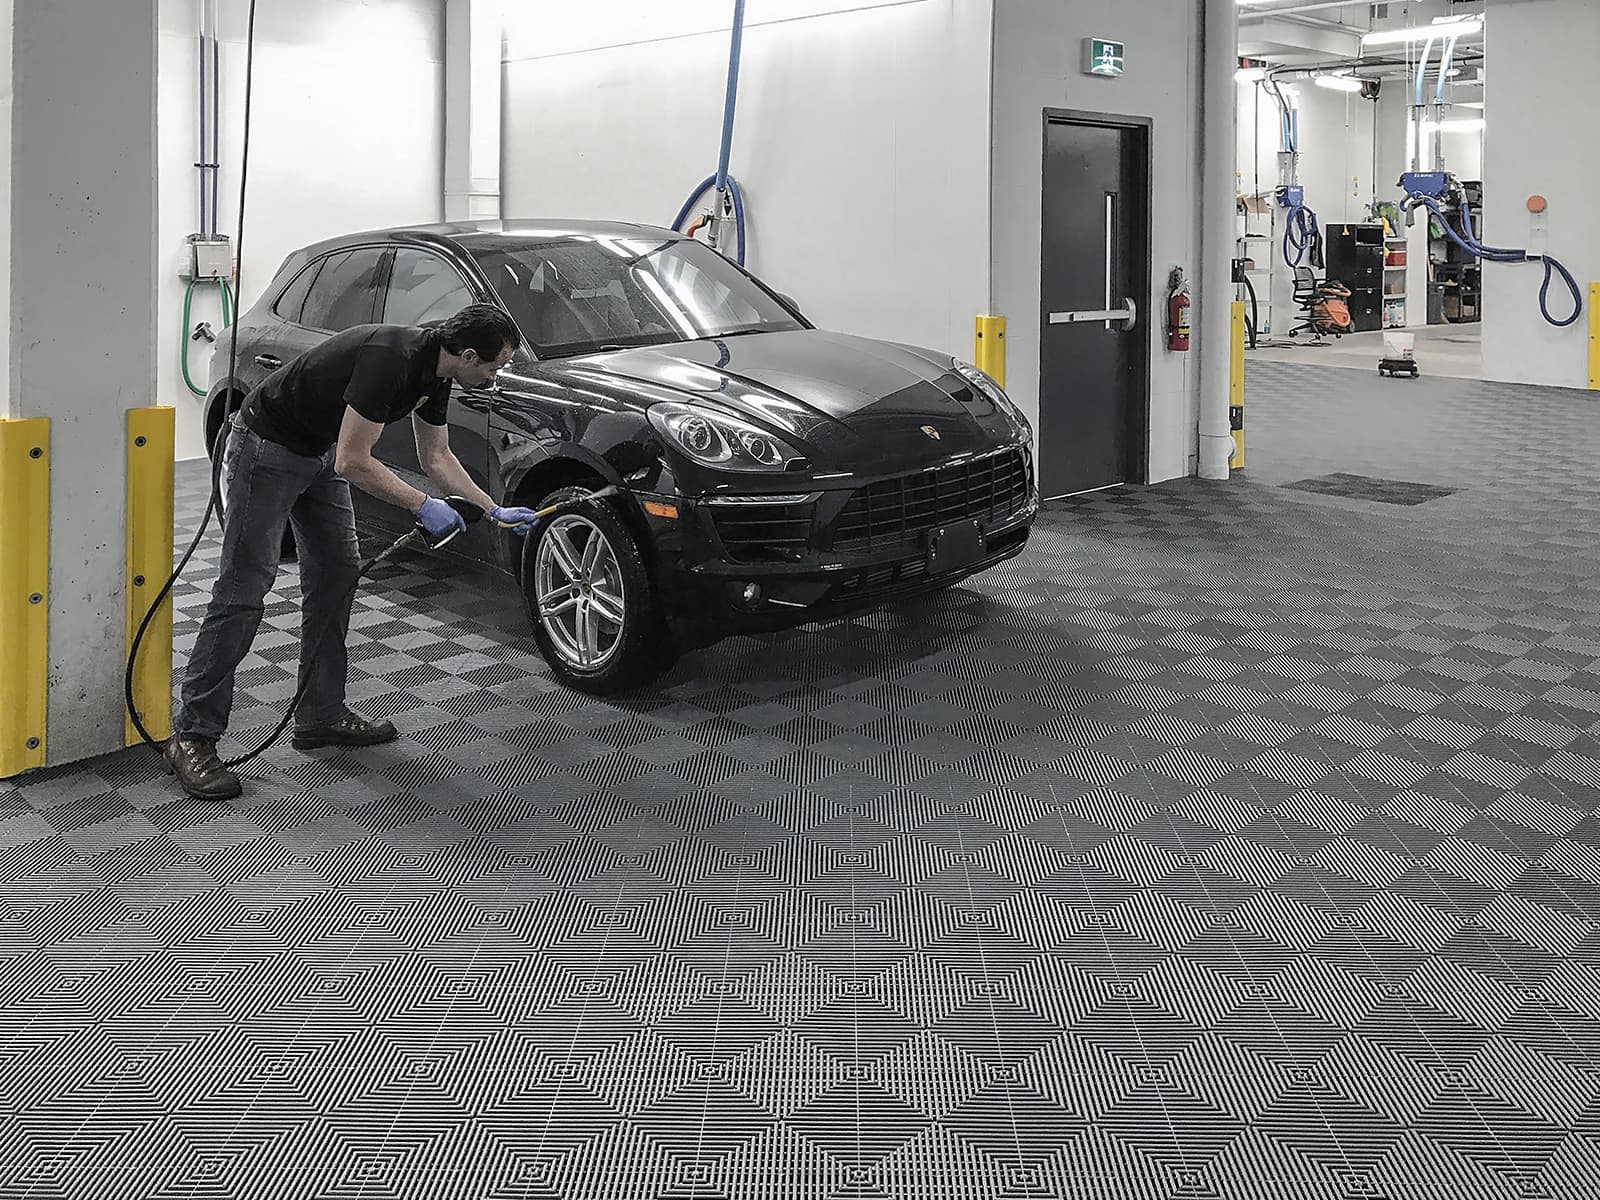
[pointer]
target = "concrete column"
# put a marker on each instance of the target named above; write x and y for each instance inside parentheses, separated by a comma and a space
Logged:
(472, 72)
(82, 218)
(1217, 198)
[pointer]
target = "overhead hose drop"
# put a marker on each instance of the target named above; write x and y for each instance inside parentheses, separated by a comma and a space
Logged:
(727, 199)
(1302, 238)
(1468, 241)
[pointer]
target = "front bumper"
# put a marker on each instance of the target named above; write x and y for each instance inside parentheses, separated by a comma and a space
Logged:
(724, 568)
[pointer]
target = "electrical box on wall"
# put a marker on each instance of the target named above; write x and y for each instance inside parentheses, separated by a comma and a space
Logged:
(206, 259)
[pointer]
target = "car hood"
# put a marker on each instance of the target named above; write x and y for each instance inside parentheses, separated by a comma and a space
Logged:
(850, 401)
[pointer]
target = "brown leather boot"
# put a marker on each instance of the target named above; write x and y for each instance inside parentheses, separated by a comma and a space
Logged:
(194, 761)
(348, 730)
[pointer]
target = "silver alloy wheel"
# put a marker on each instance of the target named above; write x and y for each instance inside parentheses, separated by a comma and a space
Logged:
(579, 590)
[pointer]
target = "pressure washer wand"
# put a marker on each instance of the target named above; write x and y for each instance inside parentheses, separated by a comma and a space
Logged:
(566, 506)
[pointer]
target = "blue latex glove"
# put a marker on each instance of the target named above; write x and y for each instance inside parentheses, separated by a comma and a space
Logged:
(438, 518)
(520, 519)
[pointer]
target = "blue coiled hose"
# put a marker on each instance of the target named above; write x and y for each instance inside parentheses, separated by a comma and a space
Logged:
(734, 193)
(1300, 237)
(1477, 249)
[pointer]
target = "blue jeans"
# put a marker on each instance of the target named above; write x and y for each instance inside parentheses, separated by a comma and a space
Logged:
(266, 485)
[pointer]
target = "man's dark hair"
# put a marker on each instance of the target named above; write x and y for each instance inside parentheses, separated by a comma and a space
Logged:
(481, 327)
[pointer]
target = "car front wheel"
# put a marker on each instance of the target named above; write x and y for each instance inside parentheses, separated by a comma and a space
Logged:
(591, 600)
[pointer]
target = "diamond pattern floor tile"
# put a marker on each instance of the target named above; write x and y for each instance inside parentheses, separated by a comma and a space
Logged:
(1236, 841)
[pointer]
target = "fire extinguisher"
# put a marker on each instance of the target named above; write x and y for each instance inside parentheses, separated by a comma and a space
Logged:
(1177, 311)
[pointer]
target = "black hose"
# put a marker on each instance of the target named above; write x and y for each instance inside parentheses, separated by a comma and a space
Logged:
(214, 506)
(1254, 323)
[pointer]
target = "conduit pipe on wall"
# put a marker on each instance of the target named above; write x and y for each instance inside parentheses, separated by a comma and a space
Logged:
(1220, 49)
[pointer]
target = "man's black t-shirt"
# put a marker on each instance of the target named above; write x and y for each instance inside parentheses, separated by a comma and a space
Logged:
(384, 372)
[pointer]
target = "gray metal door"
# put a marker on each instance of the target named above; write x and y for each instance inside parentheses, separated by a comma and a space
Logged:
(1095, 324)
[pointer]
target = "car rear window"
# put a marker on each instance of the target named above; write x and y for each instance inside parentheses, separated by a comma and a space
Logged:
(344, 291)
(293, 301)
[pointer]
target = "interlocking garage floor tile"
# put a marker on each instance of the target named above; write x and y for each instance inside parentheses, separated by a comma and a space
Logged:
(1237, 841)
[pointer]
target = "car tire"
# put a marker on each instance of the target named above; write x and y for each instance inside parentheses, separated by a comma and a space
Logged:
(623, 654)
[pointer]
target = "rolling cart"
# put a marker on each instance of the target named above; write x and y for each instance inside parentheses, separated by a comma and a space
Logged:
(1399, 354)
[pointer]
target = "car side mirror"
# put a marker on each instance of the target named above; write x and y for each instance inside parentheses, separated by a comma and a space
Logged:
(789, 301)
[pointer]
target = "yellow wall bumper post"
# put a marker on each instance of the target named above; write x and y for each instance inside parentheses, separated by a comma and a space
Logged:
(151, 450)
(1236, 386)
(24, 592)
(1594, 337)
(989, 353)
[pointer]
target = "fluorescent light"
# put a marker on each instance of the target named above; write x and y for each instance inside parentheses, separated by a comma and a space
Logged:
(1456, 125)
(1421, 33)
(1338, 83)
(1250, 74)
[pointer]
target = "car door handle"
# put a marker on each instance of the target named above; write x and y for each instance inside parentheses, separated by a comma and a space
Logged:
(270, 361)
(1128, 314)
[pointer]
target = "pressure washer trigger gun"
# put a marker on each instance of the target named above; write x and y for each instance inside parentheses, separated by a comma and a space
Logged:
(470, 513)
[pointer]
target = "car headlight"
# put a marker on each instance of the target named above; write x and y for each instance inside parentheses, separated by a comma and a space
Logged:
(719, 440)
(992, 390)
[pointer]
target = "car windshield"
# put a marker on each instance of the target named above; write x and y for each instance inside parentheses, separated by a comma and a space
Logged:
(577, 295)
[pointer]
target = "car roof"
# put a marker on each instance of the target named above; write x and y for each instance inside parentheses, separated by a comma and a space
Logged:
(465, 233)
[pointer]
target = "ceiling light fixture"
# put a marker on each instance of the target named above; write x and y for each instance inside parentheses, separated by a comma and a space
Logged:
(1455, 27)
(1338, 83)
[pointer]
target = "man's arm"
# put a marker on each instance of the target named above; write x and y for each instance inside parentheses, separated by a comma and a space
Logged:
(442, 465)
(353, 461)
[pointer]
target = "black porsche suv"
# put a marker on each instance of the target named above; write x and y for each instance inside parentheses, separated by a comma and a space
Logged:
(769, 473)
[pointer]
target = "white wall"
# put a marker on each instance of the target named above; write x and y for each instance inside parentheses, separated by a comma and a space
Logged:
(1336, 169)
(1037, 66)
(860, 141)
(346, 134)
(1529, 148)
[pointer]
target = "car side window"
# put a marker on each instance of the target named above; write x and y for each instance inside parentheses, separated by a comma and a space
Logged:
(293, 301)
(423, 287)
(342, 294)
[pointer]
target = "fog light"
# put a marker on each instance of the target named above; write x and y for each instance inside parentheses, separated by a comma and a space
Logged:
(749, 596)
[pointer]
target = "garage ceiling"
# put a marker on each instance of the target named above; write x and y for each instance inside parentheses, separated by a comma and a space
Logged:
(1305, 33)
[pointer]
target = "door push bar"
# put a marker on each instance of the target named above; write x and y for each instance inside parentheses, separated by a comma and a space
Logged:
(1128, 314)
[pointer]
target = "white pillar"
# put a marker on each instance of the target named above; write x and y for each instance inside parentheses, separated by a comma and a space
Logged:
(82, 222)
(1217, 199)
(472, 67)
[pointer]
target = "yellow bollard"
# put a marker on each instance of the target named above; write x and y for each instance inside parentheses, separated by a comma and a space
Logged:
(24, 592)
(989, 356)
(1594, 337)
(151, 444)
(1236, 384)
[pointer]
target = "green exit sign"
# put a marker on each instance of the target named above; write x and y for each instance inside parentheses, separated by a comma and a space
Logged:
(1102, 57)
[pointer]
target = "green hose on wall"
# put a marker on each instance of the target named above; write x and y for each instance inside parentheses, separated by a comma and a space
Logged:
(184, 335)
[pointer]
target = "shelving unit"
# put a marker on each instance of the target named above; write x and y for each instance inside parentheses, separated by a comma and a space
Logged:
(1394, 302)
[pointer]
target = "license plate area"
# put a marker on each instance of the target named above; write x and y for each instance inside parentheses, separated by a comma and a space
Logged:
(953, 547)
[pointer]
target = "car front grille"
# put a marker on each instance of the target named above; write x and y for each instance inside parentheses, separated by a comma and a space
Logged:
(754, 532)
(895, 512)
